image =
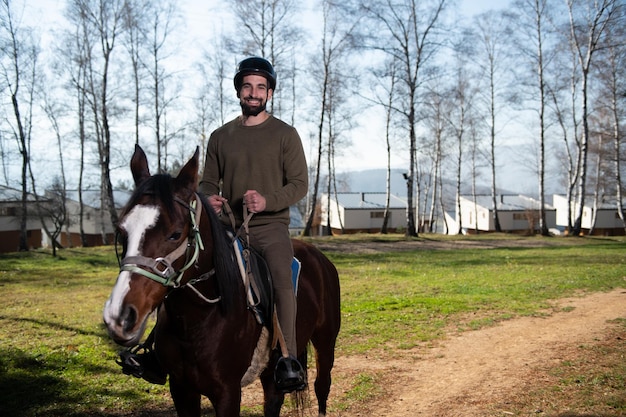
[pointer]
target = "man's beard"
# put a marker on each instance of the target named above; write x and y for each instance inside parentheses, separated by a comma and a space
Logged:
(248, 110)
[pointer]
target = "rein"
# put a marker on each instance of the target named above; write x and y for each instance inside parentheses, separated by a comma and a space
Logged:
(244, 226)
(161, 269)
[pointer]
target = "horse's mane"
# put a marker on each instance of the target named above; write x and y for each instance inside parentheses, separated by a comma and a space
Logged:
(160, 187)
(226, 268)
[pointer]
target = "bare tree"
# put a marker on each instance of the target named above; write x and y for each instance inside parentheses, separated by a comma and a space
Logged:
(390, 74)
(492, 30)
(613, 100)
(19, 73)
(4, 157)
(211, 100)
(458, 117)
(159, 18)
(111, 88)
(475, 167)
(329, 76)
(435, 109)
(533, 17)
(600, 167)
(77, 48)
(409, 32)
(133, 41)
(589, 22)
(57, 206)
(562, 93)
(104, 21)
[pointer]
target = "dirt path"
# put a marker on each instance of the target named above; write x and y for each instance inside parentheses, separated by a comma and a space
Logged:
(477, 369)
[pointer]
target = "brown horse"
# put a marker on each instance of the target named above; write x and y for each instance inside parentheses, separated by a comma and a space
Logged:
(177, 257)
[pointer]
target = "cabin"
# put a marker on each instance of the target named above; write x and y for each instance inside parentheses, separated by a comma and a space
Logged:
(361, 212)
(607, 220)
(516, 214)
(296, 222)
(96, 226)
(10, 219)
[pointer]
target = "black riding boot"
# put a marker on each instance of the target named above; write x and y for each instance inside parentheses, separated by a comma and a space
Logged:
(142, 365)
(289, 375)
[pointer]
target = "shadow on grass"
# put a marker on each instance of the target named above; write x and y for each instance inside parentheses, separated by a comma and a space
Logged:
(33, 385)
(54, 325)
(27, 384)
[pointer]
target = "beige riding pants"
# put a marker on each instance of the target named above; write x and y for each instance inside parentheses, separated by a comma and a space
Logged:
(273, 242)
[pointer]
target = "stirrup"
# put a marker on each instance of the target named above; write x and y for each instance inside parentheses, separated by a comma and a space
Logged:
(142, 365)
(289, 375)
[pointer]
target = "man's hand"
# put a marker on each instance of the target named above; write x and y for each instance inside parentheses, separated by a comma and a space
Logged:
(217, 202)
(254, 201)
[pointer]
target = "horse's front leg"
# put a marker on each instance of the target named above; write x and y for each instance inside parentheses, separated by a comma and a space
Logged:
(226, 399)
(186, 400)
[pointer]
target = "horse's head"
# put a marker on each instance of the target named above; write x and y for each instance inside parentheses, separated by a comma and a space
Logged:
(160, 239)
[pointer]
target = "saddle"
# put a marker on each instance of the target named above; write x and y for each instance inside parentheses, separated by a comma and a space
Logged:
(258, 281)
(289, 375)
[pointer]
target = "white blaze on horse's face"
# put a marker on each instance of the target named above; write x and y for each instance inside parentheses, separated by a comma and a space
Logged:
(136, 224)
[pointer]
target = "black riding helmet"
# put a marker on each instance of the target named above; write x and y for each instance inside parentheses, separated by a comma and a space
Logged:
(255, 65)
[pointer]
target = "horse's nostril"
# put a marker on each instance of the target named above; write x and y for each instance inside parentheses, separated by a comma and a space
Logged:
(130, 318)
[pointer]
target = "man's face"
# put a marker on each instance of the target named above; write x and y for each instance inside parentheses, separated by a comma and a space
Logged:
(254, 94)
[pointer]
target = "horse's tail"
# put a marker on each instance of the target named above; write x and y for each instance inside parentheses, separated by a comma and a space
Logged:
(302, 399)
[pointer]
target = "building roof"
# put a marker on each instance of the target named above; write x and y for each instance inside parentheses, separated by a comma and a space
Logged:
(607, 202)
(91, 198)
(508, 202)
(12, 194)
(370, 201)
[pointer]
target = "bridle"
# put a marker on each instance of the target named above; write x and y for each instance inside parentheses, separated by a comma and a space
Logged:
(161, 269)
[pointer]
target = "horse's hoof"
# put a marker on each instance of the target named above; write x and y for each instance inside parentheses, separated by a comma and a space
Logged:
(289, 375)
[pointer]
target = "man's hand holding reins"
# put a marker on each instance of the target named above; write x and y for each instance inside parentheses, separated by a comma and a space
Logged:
(254, 201)
(217, 202)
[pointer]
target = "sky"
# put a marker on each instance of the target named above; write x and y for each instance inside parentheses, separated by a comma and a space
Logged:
(367, 149)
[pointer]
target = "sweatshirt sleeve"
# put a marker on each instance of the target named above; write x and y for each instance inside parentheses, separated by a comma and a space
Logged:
(210, 181)
(295, 175)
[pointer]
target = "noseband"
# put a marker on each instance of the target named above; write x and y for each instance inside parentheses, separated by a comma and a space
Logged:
(161, 269)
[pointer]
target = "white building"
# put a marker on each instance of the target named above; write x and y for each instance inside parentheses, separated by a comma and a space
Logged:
(516, 214)
(362, 212)
(10, 219)
(97, 227)
(607, 220)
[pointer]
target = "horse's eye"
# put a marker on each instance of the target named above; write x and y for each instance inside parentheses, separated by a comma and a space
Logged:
(175, 236)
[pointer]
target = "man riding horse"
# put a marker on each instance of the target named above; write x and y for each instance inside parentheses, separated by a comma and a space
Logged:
(255, 164)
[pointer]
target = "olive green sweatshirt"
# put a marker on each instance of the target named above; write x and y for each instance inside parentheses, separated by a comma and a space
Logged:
(268, 158)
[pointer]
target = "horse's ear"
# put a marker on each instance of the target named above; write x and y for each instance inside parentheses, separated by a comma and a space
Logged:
(139, 165)
(188, 175)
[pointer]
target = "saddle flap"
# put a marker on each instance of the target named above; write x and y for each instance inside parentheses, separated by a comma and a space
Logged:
(258, 281)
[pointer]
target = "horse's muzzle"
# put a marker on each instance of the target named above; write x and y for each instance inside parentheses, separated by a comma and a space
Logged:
(124, 328)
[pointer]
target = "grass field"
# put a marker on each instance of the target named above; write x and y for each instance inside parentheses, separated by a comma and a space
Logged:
(56, 359)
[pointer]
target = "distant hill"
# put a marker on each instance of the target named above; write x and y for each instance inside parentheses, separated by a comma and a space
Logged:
(374, 180)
